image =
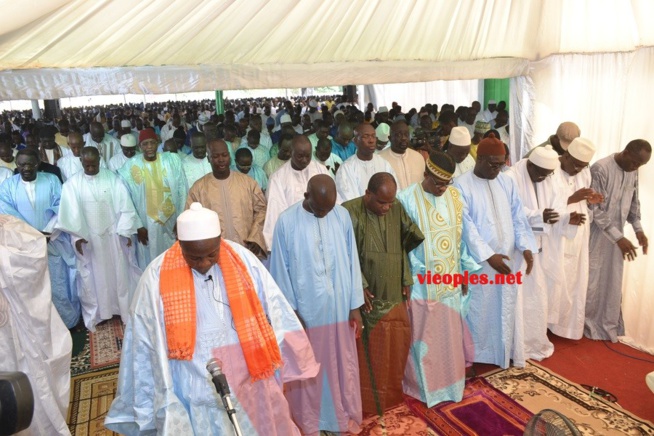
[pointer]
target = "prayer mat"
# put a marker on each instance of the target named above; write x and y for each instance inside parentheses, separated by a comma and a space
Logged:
(106, 343)
(483, 411)
(91, 397)
(397, 421)
(537, 388)
(81, 362)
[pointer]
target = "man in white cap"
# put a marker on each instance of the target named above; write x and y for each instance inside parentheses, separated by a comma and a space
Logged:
(408, 164)
(207, 299)
(33, 338)
(313, 111)
(353, 176)
(616, 178)
(98, 213)
(383, 132)
(545, 206)
(127, 151)
(126, 129)
(72, 164)
(490, 113)
(566, 132)
(459, 149)
(567, 304)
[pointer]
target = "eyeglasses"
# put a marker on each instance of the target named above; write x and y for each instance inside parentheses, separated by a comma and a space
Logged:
(495, 165)
(440, 184)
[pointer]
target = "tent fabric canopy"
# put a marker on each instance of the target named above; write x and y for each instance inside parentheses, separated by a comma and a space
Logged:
(66, 48)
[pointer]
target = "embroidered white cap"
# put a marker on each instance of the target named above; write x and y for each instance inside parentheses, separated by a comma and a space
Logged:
(545, 157)
(198, 223)
(126, 124)
(383, 130)
(460, 136)
(128, 140)
(581, 149)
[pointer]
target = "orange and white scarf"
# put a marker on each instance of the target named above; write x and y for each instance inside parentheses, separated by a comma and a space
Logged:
(255, 334)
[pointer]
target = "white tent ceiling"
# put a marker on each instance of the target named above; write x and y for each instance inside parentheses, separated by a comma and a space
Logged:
(66, 48)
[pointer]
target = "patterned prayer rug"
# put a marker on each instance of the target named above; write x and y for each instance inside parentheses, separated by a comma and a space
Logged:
(397, 421)
(91, 397)
(106, 343)
(537, 388)
(483, 411)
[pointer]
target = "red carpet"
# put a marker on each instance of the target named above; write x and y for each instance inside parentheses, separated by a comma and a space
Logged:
(593, 363)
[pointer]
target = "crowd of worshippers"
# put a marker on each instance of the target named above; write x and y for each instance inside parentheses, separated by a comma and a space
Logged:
(290, 240)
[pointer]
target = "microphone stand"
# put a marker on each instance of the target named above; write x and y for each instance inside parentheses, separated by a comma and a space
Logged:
(220, 381)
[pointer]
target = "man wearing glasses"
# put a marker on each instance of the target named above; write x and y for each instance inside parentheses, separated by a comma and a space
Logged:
(499, 237)
(437, 309)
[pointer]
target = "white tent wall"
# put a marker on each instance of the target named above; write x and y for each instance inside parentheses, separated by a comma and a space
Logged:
(416, 95)
(608, 96)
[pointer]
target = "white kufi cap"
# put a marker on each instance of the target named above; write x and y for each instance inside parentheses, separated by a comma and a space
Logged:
(197, 224)
(581, 149)
(460, 136)
(545, 157)
(126, 124)
(128, 140)
(383, 131)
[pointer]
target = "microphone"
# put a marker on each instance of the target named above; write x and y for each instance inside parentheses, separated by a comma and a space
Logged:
(206, 280)
(222, 387)
(218, 378)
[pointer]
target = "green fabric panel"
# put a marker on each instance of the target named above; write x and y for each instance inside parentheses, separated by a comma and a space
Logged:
(496, 89)
(220, 103)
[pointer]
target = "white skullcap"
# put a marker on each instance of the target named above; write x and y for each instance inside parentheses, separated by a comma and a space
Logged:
(197, 224)
(581, 149)
(286, 118)
(460, 136)
(491, 101)
(545, 157)
(126, 123)
(203, 119)
(382, 110)
(313, 103)
(382, 132)
(128, 140)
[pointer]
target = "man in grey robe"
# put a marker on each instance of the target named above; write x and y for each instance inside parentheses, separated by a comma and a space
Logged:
(616, 178)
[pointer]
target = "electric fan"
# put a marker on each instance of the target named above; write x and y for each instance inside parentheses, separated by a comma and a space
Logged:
(549, 422)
